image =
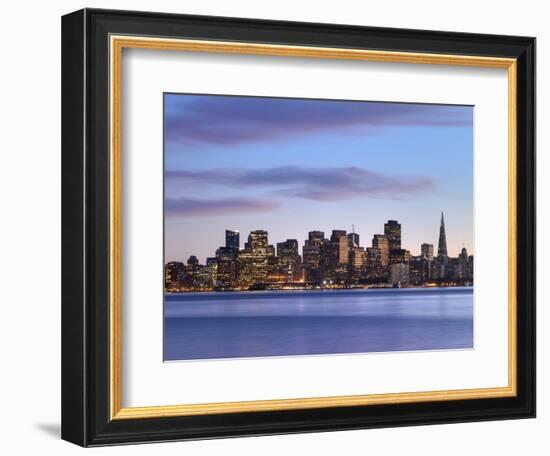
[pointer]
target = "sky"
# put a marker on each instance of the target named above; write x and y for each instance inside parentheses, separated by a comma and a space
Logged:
(290, 166)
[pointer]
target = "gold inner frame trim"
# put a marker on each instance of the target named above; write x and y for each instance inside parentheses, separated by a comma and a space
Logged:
(117, 44)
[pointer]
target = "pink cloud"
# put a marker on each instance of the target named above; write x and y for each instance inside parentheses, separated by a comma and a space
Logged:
(191, 207)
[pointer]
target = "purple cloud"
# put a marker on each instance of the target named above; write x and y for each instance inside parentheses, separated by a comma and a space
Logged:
(191, 207)
(317, 184)
(200, 119)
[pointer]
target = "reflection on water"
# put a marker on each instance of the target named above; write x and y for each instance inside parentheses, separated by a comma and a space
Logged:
(252, 324)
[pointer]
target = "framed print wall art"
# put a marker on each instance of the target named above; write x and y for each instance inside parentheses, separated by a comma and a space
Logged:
(278, 227)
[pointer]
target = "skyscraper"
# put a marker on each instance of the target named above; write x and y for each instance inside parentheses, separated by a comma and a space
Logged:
(227, 267)
(339, 248)
(400, 256)
(380, 242)
(442, 246)
(427, 250)
(357, 262)
(253, 259)
(399, 274)
(419, 269)
(311, 259)
(462, 270)
(257, 241)
(232, 240)
(343, 250)
(174, 273)
(392, 230)
(289, 258)
(316, 238)
(353, 238)
(315, 256)
(377, 258)
(336, 235)
(212, 267)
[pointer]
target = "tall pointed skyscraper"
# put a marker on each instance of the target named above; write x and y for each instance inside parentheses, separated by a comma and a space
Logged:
(442, 246)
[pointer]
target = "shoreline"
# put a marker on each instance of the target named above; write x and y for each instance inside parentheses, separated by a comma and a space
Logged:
(417, 288)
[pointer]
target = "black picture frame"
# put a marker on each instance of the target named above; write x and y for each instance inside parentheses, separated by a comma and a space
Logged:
(85, 225)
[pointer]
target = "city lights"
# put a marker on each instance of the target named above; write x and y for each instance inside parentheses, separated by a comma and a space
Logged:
(338, 261)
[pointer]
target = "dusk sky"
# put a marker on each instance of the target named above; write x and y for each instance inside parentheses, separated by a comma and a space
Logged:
(290, 166)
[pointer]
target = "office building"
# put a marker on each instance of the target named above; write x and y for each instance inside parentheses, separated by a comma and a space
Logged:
(289, 260)
(427, 250)
(400, 256)
(353, 240)
(399, 274)
(174, 274)
(392, 230)
(232, 241)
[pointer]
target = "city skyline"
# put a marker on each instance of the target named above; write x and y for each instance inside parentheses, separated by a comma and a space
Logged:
(415, 249)
(286, 165)
(364, 241)
(340, 260)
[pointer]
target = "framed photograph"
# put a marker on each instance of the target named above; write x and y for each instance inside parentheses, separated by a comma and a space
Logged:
(278, 227)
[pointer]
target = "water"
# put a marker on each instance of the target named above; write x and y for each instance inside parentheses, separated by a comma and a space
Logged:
(279, 323)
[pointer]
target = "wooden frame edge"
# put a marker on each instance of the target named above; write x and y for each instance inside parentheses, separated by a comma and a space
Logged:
(115, 214)
(308, 403)
(512, 227)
